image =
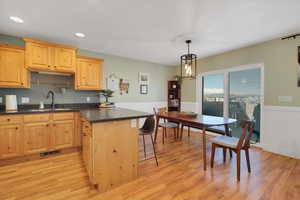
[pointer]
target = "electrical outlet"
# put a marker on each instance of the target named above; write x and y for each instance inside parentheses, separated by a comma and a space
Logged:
(1, 100)
(88, 99)
(25, 99)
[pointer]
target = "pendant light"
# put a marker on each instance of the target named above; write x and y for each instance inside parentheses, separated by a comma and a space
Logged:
(188, 63)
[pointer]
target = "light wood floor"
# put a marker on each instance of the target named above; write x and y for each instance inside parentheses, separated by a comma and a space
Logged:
(180, 176)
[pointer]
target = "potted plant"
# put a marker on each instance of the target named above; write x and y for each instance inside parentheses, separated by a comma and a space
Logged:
(106, 94)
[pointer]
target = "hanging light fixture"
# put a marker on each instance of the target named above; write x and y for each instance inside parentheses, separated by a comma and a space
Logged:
(188, 63)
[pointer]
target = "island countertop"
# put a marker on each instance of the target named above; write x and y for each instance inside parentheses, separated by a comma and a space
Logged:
(111, 114)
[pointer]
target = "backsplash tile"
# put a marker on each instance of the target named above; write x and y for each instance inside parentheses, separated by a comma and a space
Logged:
(42, 83)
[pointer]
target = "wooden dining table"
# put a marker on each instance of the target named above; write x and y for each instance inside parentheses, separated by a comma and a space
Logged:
(201, 122)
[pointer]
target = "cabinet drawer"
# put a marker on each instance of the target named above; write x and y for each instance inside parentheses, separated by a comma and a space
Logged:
(36, 118)
(10, 119)
(63, 116)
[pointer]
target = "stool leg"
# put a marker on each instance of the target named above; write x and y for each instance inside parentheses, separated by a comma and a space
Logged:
(224, 154)
(144, 146)
(154, 149)
(163, 135)
(189, 131)
(174, 129)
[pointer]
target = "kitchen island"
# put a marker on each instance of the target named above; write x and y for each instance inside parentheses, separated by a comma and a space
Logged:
(110, 145)
(108, 138)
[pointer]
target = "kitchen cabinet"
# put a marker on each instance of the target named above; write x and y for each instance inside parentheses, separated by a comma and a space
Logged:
(10, 140)
(46, 56)
(36, 137)
(13, 73)
(89, 73)
(114, 159)
(62, 134)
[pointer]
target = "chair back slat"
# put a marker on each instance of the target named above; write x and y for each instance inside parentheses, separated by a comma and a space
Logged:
(244, 141)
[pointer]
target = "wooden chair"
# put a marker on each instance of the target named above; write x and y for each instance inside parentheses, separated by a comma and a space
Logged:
(166, 124)
(235, 144)
(148, 129)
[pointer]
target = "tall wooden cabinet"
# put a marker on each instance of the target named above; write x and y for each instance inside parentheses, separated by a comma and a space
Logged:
(46, 56)
(174, 96)
(88, 73)
(13, 73)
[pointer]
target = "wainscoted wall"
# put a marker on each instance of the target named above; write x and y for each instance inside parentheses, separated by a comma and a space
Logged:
(280, 131)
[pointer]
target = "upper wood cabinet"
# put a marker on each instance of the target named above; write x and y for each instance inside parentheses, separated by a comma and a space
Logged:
(89, 73)
(13, 73)
(46, 56)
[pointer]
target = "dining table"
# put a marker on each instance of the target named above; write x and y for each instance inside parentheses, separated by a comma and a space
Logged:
(198, 121)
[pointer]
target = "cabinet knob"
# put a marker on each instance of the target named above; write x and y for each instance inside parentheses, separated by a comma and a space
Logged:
(22, 83)
(47, 125)
(8, 120)
(114, 151)
(17, 128)
(49, 66)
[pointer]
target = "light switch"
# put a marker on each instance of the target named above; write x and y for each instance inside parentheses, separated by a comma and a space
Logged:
(1, 101)
(285, 99)
(88, 99)
(25, 99)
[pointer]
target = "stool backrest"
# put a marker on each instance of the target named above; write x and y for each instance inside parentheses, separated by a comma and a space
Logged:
(149, 124)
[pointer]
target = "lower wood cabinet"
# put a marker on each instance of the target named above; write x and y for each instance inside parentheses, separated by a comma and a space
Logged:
(62, 133)
(110, 152)
(10, 140)
(36, 133)
(36, 137)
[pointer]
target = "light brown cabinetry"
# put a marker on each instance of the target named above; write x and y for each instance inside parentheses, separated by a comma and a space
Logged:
(88, 73)
(13, 73)
(10, 140)
(36, 137)
(46, 56)
(110, 153)
(36, 133)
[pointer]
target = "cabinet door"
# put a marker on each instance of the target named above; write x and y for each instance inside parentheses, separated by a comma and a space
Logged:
(11, 67)
(81, 74)
(62, 134)
(93, 71)
(87, 153)
(36, 137)
(38, 56)
(10, 141)
(64, 59)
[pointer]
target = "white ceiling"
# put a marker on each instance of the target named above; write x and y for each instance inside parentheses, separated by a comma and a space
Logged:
(152, 30)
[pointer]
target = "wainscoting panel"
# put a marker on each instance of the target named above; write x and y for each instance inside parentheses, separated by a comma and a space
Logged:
(280, 130)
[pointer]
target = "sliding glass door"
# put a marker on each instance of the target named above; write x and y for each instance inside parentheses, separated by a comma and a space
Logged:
(213, 95)
(244, 99)
(234, 93)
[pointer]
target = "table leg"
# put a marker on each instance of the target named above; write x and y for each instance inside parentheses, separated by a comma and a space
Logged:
(156, 128)
(204, 148)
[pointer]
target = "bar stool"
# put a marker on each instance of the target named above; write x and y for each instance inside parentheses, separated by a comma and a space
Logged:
(148, 129)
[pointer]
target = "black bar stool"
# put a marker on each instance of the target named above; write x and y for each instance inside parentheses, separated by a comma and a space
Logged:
(148, 129)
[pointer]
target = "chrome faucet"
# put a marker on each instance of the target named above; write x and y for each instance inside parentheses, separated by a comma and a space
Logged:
(52, 98)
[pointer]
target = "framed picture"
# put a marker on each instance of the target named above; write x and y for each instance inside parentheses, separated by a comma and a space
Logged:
(143, 78)
(144, 89)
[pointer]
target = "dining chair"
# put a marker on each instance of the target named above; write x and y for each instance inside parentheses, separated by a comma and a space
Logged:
(235, 144)
(165, 124)
(148, 129)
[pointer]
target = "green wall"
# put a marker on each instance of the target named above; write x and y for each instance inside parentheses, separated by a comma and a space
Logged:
(122, 67)
(129, 69)
(280, 61)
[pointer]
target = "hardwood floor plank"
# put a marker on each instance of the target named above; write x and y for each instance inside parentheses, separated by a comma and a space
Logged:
(180, 176)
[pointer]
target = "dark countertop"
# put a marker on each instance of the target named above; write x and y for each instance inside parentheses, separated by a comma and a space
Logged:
(89, 111)
(111, 114)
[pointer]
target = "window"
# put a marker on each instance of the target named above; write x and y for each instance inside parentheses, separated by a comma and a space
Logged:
(234, 93)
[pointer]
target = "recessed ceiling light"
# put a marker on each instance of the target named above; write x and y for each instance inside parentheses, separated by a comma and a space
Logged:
(16, 19)
(81, 35)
